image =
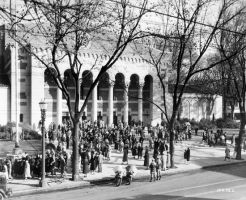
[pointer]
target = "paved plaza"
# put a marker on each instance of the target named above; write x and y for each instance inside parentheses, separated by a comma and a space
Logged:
(202, 156)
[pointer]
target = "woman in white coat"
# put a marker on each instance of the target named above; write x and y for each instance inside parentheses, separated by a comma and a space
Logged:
(27, 172)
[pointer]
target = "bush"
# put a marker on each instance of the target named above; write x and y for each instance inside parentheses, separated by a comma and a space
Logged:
(206, 123)
(228, 123)
(183, 120)
(194, 124)
(29, 133)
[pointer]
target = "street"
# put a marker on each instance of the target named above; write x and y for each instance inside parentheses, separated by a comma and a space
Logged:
(227, 182)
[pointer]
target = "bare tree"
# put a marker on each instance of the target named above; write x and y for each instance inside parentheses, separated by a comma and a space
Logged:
(68, 26)
(234, 69)
(186, 38)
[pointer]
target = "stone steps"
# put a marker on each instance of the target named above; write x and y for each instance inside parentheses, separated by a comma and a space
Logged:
(29, 146)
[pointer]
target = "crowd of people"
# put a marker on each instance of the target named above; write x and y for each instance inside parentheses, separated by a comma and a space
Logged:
(96, 142)
(213, 138)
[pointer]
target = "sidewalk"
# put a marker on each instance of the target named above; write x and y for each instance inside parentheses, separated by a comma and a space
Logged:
(202, 156)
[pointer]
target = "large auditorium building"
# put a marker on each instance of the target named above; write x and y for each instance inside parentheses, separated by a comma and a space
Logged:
(121, 95)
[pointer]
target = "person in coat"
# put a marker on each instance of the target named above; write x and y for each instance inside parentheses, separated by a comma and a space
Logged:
(187, 155)
(100, 162)
(85, 160)
(158, 169)
(152, 168)
(9, 166)
(27, 171)
(62, 165)
(134, 150)
(164, 160)
(227, 153)
(146, 157)
(92, 162)
(125, 154)
(140, 151)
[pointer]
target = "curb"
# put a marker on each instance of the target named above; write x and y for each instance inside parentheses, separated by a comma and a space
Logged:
(110, 180)
(224, 164)
(143, 177)
(39, 190)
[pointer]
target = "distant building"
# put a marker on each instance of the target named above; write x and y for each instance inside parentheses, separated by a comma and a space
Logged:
(108, 100)
(197, 105)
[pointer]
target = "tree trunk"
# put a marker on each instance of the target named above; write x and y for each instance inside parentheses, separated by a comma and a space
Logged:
(75, 155)
(241, 134)
(171, 140)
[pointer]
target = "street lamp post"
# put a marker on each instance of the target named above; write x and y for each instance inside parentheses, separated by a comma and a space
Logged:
(43, 108)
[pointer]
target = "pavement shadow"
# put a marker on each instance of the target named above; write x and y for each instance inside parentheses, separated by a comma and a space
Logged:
(163, 197)
(227, 167)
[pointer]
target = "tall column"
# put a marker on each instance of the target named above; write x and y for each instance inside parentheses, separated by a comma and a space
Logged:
(13, 86)
(15, 90)
(59, 107)
(140, 102)
(37, 89)
(126, 106)
(94, 104)
(111, 103)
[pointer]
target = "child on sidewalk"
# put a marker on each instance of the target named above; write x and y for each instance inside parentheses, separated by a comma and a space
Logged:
(152, 168)
(187, 155)
(227, 153)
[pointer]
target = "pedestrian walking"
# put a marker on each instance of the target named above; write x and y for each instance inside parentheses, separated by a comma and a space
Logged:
(109, 152)
(125, 154)
(227, 153)
(168, 156)
(235, 151)
(100, 162)
(158, 169)
(187, 155)
(134, 150)
(244, 145)
(164, 160)
(68, 135)
(92, 162)
(152, 168)
(27, 171)
(9, 166)
(85, 160)
(62, 165)
(140, 151)
(146, 157)
(233, 140)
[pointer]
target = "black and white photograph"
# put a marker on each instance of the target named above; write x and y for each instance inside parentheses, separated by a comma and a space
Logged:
(123, 99)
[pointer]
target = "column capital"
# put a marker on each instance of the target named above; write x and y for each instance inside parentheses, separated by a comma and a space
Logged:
(111, 83)
(141, 85)
(127, 84)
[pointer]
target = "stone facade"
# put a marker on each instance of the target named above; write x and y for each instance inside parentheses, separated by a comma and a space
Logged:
(197, 107)
(112, 102)
(5, 105)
